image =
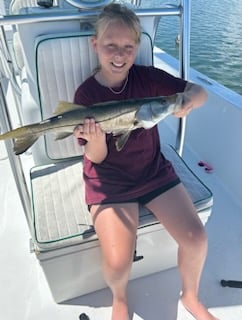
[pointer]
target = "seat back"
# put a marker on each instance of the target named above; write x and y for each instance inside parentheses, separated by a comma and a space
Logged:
(62, 62)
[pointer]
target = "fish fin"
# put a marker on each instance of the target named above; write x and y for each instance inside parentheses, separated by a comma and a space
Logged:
(118, 132)
(121, 140)
(63, 135)
(64, 106)
(23, 144)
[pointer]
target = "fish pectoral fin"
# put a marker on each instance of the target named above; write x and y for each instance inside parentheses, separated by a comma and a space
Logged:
(121, 140)
(22, 144)
(64, 106)
(118, 132)
(63, 135)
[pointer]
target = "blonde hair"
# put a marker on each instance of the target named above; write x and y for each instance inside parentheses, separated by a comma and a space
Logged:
(116, 12)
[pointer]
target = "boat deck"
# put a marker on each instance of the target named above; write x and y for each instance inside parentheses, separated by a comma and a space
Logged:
(25, 294)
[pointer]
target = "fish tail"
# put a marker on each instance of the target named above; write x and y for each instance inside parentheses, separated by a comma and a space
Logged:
(23, 139)
(24, 143)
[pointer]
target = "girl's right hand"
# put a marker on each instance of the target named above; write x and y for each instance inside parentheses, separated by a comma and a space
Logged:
(96, 146)
(90, 130)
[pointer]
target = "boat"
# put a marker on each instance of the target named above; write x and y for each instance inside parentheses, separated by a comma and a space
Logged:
(49, 252)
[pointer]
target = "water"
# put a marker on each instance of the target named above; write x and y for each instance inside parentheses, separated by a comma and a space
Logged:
(216, 38)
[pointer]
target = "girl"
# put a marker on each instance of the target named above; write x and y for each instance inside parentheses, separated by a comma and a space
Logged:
(116, 182)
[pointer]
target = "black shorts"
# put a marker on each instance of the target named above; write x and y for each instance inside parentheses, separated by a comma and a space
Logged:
(155, 193)
(146, 198)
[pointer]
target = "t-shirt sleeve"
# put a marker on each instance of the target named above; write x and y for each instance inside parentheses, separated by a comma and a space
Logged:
(164, 83)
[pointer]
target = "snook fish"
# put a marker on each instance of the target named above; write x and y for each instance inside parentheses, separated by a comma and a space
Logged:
(116, 117)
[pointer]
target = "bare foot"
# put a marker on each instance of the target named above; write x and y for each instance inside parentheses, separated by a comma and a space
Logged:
(120, 310)
(197, 310)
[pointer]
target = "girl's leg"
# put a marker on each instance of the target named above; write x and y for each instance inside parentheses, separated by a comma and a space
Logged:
(116, 226)
(175, 210)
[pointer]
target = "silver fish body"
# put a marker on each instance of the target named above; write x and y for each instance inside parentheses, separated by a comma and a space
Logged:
(117, 117)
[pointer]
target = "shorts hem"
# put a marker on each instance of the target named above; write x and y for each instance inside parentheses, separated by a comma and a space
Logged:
(146, 198)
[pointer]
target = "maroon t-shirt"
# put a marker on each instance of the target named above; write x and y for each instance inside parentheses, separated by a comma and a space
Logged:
(139, 167)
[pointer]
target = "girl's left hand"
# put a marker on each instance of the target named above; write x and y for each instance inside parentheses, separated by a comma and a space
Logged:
(187, 106)
(194, 96)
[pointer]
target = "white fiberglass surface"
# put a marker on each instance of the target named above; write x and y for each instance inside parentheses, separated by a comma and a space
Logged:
(25, 294)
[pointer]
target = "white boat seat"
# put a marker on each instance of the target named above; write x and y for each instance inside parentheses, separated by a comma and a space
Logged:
(61, 217)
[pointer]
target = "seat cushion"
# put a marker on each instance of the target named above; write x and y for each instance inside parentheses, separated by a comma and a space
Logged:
(61, 217)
